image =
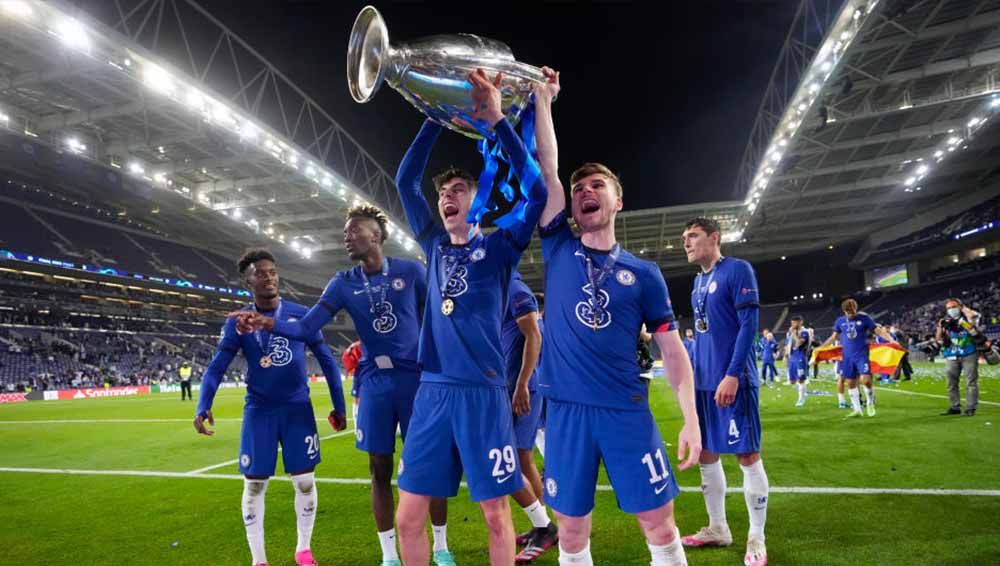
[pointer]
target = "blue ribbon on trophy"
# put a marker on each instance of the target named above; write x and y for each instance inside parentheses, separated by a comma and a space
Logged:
(431, 74)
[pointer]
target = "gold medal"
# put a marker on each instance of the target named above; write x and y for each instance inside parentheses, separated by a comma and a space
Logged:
(447, 307)
(266, 362)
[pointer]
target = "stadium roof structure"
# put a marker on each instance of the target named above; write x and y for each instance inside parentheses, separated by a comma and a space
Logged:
(238, 153)
(875, 112)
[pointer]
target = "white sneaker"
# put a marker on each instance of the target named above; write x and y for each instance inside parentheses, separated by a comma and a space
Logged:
(871, 409)
(709, 536)
(756, 553)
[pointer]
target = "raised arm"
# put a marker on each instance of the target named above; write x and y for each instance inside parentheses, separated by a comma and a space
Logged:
(304, 329)
(409, 179)
(486, 95)
(548, 149)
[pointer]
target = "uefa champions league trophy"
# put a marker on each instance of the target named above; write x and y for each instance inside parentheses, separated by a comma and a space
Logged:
(431, 72)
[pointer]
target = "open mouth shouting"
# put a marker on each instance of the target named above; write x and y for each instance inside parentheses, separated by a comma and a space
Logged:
(450, 210)
(590, 204)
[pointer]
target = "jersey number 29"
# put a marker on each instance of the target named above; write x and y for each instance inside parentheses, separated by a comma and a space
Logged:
(505, 459)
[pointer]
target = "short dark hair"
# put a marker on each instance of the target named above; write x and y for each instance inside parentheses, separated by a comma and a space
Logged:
(252, 256)
(588, 169)
(955, 300)
(372, 213)
(797, 318)
(709, 225)
(453, 173)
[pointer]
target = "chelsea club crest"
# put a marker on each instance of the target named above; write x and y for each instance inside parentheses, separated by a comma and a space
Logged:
(625, 277)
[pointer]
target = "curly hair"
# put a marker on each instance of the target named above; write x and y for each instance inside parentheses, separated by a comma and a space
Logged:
(252, 256)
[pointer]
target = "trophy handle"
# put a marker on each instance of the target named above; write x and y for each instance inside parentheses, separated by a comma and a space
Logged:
(368, 54)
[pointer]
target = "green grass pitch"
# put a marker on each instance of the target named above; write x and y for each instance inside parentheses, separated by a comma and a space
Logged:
(164, 519)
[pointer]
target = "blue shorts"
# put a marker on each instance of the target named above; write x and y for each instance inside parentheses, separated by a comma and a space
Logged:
(798, 368)
(730, 430)
(293, 425)
(386, 401)
(852, 367)
(526, 425)
(579, 437)
(458, 428)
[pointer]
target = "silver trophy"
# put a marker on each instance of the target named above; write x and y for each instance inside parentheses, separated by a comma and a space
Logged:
(431, 72)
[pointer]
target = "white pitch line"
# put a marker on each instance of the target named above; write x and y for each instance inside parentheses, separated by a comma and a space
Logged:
(885, 389)
(234, 461)
(365, 481)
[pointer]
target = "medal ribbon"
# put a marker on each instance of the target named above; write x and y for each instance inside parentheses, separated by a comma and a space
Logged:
(258, 333)
(597, 279)
(701, 299)
(450, 262)
(382, 287)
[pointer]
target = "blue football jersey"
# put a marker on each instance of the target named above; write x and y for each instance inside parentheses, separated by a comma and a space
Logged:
(464, 347)
(767, 349)
(802, 348)
(853, 333)
(728, 288)
(521, 302)
(285, 381)
(460, 344)
(589, 356)
(386, 315)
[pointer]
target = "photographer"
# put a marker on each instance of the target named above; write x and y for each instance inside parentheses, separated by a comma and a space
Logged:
(957, 332)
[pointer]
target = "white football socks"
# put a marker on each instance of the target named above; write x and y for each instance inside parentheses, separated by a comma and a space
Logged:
(869, 396)
(755, 488)
(855, 400)
(537, 514)
(387, 540)
(841, 399)
(581, 558)
(802, 391)
(670, 554)
(306, 500)
(253, 517)
(440, 537)
(713, 486)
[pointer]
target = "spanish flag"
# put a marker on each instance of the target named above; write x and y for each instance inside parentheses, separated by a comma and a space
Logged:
(826, 353)
(883, 358)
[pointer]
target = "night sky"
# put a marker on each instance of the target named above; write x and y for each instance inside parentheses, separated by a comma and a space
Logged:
(663, 92)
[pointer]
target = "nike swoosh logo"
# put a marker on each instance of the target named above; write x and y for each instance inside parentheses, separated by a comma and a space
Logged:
(659, 490)
(731, 442)
(358, 292)
(505, 479)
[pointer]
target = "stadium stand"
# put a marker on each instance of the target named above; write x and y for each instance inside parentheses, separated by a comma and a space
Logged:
(938, 233)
